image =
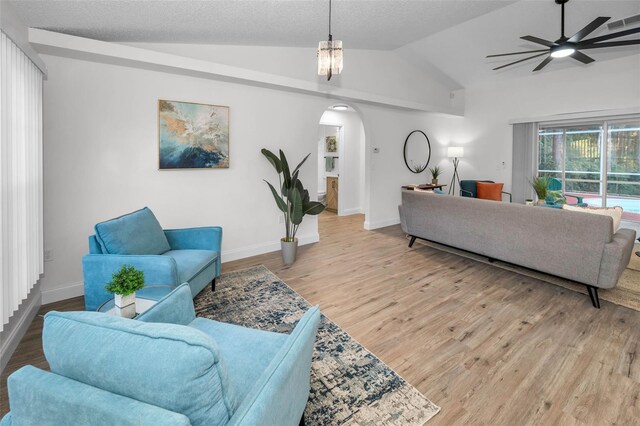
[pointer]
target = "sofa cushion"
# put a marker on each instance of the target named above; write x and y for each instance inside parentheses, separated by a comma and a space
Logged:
(614, 212)
(191, 262)
(134, 233)
(249, 351)
(171, 366)
(489, 191)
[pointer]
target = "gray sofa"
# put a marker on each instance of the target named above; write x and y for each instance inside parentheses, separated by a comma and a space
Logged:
(572, 245)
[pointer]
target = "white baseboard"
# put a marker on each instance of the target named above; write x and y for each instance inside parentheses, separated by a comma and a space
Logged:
(27, 314)
(77, 288)
(348, 212)
(61, 293)
(242, 252)
(369, 225)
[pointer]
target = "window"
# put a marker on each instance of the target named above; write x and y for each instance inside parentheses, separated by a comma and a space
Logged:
(599, 161)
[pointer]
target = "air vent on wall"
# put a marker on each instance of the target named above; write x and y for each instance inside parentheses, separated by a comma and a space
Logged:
(631, 20)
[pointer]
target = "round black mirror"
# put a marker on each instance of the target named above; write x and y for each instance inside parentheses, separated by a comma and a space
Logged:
(417, 151)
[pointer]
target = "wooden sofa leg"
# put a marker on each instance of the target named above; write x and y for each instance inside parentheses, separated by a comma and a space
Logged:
(213, 285)
(413, 240)
(593, 295)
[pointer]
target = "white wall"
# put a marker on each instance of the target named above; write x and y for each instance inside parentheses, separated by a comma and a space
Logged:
(101, 160)
(485, 131)
(350, 164)
(373, 71)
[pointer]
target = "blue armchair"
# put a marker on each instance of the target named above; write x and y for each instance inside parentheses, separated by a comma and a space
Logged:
(469, 188)
(167, 367)
(167, 257)
(556, 197)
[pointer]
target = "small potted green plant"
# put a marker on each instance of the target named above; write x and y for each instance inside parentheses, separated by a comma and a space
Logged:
(123, 286)
(540, 185)
(436, 172)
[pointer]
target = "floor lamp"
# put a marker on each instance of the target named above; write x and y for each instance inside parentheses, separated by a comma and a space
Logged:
(456, 153)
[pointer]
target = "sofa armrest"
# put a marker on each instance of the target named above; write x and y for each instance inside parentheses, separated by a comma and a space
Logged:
(465, 193)
(285, 383)
(175, 308)
(99, 268)
(615, 257)
(42, 398)
(203, 238)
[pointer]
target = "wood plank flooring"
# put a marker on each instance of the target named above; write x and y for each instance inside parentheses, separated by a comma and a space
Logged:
(489, 346)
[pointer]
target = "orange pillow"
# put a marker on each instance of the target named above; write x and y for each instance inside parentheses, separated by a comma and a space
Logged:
(489, 191)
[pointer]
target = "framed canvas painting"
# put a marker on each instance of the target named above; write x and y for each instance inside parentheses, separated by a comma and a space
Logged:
(193, 136)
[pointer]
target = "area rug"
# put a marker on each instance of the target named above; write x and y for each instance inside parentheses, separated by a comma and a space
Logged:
(626, 293)
(349, 385)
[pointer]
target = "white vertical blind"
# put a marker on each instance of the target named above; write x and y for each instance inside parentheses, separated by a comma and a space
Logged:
(21, 244)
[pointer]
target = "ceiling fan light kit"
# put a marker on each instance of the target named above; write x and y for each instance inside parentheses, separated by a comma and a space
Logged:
(330, 54)
(571, 46)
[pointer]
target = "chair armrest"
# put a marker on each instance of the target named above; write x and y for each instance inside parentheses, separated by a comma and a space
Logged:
(286, 381)
(468, 193)
(509, 194)
(203, 238)
(175, 308)
(99, 268)
(579, 199)
(42, 398)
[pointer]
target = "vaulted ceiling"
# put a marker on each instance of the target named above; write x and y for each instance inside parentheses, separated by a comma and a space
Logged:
(448, 39)
(361, 24)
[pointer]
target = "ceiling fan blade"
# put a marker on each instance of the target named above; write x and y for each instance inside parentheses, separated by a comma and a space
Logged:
(543, 63)
(608, 44)
(517, 53)
(521, 60)
(591, 27)
(582, 57)
(539, 41)
(610, 36)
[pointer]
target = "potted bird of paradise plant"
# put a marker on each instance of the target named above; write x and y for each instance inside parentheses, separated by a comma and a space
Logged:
(293, 201)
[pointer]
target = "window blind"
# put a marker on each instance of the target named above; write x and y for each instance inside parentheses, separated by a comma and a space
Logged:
(21, 235)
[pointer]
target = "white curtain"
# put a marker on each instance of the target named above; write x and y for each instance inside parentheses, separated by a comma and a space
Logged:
(524, 161)
(21, 245)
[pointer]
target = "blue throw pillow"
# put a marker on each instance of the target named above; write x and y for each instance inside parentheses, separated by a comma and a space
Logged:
(134, 233)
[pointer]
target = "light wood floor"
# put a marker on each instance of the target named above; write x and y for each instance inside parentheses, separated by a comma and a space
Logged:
(487, 345)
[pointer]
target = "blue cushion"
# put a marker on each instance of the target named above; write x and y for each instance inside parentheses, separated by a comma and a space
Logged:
(468, 188)
(251, 351)
(171, 366)
(134, 233)
(191, 262)
(439, 191)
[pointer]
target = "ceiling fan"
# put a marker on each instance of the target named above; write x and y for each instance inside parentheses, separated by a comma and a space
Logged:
(571, 46)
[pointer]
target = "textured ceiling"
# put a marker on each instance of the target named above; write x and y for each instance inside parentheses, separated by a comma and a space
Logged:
(365, 24)
(460, 52)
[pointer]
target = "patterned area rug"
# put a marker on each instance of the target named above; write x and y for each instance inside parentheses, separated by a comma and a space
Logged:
(349, 385)
(626, 293)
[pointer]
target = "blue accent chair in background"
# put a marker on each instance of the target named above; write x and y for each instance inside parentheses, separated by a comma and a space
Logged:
(556, 197)
(167, 257)
(469, 188)
(166, 367)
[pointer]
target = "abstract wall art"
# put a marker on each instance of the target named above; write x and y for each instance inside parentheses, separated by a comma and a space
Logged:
(193, 136)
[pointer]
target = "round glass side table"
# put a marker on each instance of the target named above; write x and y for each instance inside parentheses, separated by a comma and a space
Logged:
(145, 298)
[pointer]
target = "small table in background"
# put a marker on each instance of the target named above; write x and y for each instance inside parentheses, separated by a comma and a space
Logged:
(424, 187)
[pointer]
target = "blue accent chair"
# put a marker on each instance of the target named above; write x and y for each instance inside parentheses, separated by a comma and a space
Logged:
(166, 367)
(167, 257)
(469, 188)
(556, 185)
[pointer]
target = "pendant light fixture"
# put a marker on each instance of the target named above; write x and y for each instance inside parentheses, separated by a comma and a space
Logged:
(330, 54)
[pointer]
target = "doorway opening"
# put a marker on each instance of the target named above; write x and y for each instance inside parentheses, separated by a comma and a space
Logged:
(341, 161)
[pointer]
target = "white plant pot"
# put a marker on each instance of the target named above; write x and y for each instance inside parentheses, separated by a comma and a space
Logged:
(289, 249)
(125, 305)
